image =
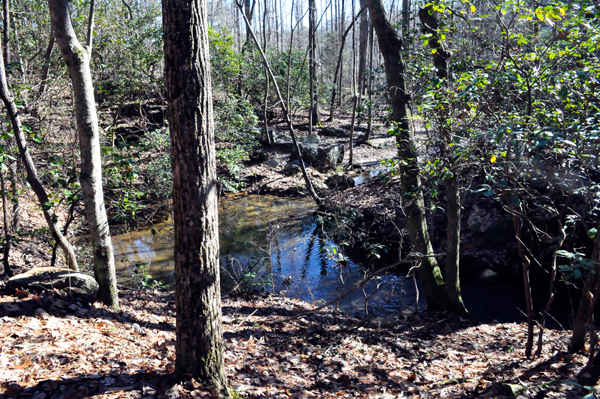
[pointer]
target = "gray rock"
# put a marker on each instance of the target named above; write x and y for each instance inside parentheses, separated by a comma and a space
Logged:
(286, 146)
(334, 132)
(264, 139)
(272, 163)
(292, 167)
(327, 155)
(51, 278)
(340, 181)
(309, 138)
(488, 275)
(359, 138)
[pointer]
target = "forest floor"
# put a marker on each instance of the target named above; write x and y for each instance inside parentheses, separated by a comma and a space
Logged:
(54, 346)
(275, 347)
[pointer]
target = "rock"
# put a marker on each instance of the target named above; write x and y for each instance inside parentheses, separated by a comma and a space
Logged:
(340, 181)
(41, 313)
(488, 275)
(274, 163)
(264, 139)
(287, 146)
(359, 138)
(327, 155)
(292, 167)
(309, 138)
(334, 132)
(51, 278)
(258, 154)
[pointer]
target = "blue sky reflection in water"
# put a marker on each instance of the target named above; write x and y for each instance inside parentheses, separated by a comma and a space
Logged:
(275, 245)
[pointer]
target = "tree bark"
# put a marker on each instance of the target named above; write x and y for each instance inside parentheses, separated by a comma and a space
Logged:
(7, 233)
(338, 66)
(362, 47)
(587, 301)
(77, 59)
(199, 345)
(390, 45)
(315, 118)
(440, 60)
(6, 31)
(370, 83)
(46, 70)
(32, 178)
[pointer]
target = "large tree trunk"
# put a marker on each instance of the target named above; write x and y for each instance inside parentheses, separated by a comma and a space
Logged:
(32, 178)
(77, 59)
(428, 271)
(199, 345)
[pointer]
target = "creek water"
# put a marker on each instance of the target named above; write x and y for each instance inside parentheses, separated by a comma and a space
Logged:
(272, 244)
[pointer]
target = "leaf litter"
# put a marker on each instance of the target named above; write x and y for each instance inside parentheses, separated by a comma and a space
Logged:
(55, 346)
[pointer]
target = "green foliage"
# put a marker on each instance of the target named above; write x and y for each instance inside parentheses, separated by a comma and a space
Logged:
(225, 62)
(141, 278)
(521, 120)
(235, 120)
(232, 158)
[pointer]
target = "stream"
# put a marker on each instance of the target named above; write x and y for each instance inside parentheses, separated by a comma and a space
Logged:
(272, 244)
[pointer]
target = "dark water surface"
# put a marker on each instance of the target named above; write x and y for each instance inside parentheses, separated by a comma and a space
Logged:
(273, 244)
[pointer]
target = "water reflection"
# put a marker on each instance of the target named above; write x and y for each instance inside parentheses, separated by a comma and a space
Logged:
(273, 244)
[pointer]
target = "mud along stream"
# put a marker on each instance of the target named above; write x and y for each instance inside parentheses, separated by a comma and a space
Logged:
(274, 244)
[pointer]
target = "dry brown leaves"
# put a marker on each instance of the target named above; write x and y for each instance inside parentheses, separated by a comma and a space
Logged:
(53, 347)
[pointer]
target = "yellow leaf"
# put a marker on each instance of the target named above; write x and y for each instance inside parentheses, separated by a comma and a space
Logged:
(493, 159)
(472, 8)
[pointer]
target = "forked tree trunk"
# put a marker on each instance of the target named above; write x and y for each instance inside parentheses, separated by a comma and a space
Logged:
(77, 59)
(413, 204)
(440, 60)
(32, 178)
(199, 344)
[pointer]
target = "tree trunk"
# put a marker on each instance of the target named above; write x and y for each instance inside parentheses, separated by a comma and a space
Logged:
(587, 302)
(6, 31)
(46, 70)
(338, 65)
(249, 10)
(405, 17)
(315, 118)
(32, 178)
(440, 60)
(390, 45)
(78, 63)
(7, 233)
(370, 84)
(362, 48)
(199, 344)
